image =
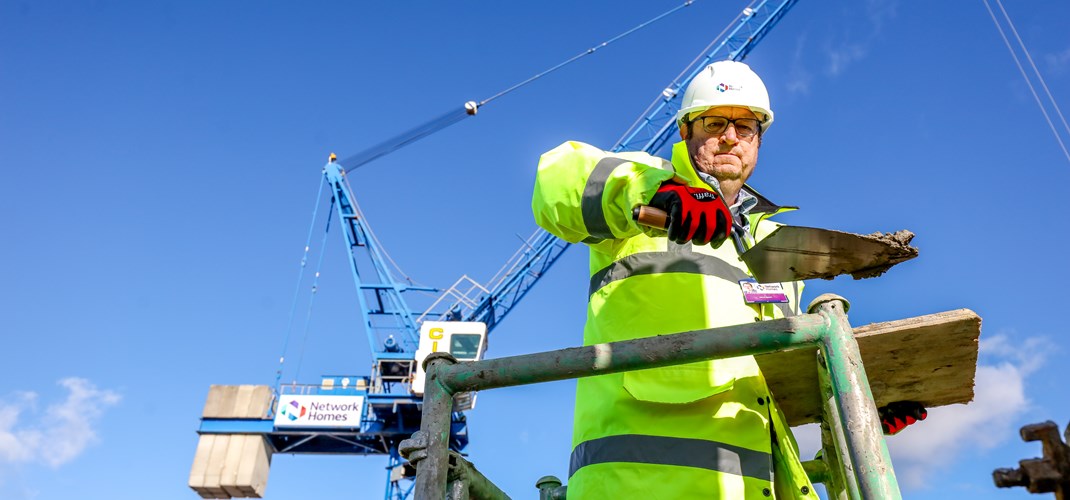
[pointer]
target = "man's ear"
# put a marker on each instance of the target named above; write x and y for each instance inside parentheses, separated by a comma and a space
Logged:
(685, 131)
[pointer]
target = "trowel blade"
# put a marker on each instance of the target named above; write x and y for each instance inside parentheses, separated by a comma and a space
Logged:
(794, 253)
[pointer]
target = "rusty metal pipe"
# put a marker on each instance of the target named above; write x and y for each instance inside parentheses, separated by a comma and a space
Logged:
(864, 439)
(649, 352)
(477, 486)
(431, 472)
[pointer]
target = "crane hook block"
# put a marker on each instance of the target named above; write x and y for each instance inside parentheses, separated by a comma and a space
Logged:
(471, 107)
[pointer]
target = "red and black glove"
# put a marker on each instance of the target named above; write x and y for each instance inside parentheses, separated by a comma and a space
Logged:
(695, 214)
(897, 416)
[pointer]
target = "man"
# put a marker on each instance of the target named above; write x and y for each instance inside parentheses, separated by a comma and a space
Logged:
(700, 430)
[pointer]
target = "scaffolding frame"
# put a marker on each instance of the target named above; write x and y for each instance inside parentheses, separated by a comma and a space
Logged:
(854, 462)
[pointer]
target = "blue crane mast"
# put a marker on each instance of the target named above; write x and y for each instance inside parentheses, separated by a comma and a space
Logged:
(390, 405)
(388, 320)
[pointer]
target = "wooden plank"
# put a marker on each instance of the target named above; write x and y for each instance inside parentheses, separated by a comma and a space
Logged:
(930, 359)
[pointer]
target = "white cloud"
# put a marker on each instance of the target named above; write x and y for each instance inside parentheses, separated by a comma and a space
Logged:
(840, 56)
(949, 432)
(1059, 62)
(798, 77)
(999, 398)
(1028, 356)
(842, 46)
(59, 434)
(880, 11)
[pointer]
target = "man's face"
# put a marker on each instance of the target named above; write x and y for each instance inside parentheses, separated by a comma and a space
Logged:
(725, 156)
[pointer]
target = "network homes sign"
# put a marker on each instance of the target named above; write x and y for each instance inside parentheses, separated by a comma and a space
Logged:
(319, 411)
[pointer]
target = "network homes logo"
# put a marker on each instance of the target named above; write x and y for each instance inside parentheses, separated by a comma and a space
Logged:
(724, 87)
(294, 410)
(320, 411)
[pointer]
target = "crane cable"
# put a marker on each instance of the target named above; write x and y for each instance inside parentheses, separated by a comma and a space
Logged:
(382, 248)
(297, 287)
(669, 91)
(470, 108)
(315, 286)
(401, 140)
(586, 52)
(510, 264)
(1026, 77)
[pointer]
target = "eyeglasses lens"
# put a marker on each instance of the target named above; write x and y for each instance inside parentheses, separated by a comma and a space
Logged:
(745, 127)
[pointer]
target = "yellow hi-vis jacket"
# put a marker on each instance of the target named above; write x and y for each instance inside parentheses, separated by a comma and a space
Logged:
(700, 430)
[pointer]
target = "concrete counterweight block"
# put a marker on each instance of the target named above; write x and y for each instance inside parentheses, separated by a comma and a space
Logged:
(237, 401)
(246, 469)
(233, 465)
(230, 466)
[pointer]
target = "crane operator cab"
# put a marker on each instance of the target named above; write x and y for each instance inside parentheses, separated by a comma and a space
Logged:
(465, 340)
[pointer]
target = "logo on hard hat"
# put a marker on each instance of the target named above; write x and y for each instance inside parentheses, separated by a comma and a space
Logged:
(724, 87)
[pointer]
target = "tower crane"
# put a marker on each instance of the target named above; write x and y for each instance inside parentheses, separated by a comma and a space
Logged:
(371, 415)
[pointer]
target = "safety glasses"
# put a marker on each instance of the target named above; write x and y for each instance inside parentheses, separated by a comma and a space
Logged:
(716, 125)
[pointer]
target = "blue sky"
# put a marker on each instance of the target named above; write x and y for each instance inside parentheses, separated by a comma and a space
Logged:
(160, 162)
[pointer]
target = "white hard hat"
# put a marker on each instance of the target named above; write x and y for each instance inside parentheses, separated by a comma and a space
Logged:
(726, 83)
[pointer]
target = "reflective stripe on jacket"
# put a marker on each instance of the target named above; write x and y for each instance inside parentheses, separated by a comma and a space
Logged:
(699, 430)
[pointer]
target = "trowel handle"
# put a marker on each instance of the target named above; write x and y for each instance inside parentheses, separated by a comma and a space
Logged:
(650, 216)
(658, 218)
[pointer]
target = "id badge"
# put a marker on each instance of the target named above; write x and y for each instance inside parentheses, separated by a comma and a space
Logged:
(762, 293)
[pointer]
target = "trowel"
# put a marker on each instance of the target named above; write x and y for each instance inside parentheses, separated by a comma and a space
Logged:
(794, 253)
